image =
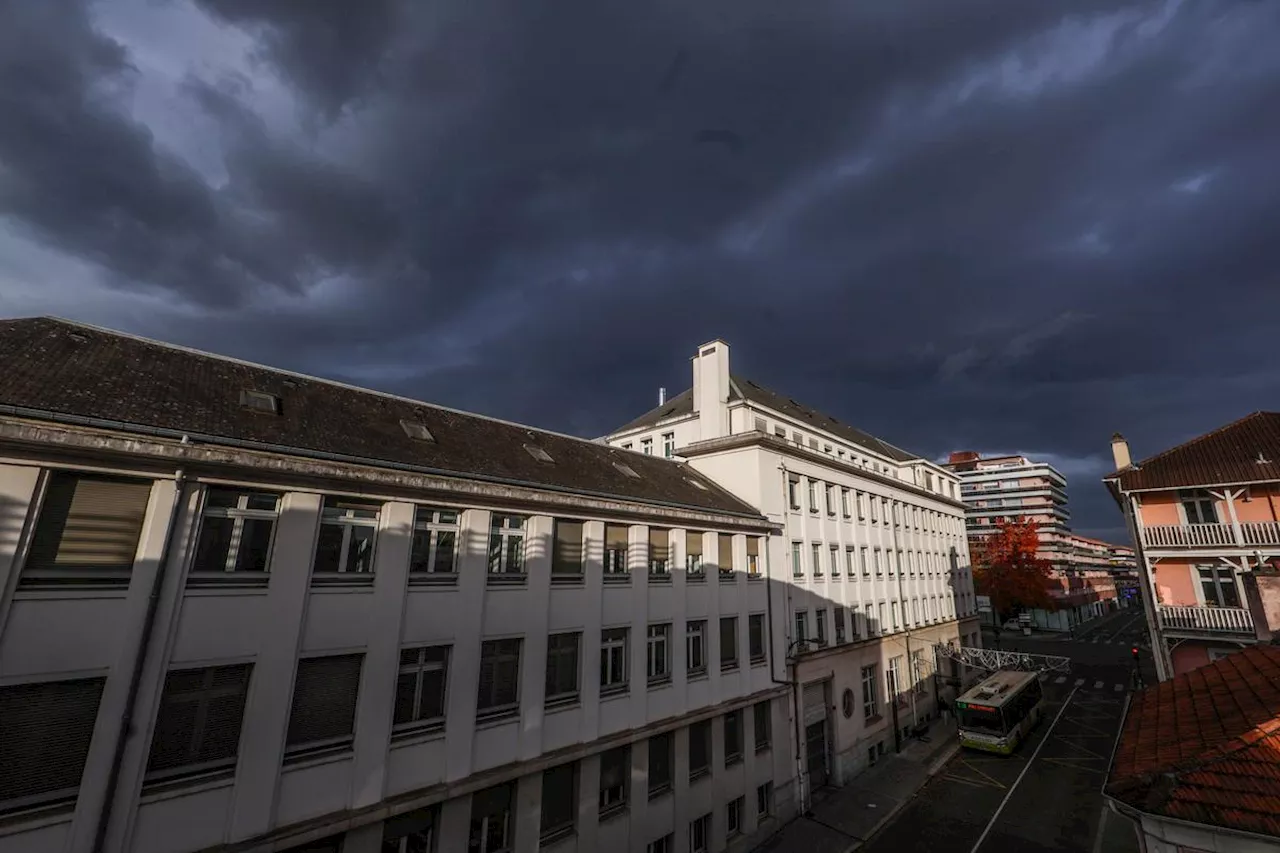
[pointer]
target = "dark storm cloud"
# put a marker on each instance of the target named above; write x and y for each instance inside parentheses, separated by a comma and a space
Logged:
(1000, 225)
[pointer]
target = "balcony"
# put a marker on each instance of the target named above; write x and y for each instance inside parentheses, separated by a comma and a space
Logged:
(1253, 534)
(1206, 621)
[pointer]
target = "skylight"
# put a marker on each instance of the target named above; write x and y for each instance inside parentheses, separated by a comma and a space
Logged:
(626, 469)
(417, 431)
(694, 482)
(538, 453)
(260, 401)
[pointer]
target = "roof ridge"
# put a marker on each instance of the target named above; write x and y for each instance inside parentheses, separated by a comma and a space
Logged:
(1202, 437)
(309, 377)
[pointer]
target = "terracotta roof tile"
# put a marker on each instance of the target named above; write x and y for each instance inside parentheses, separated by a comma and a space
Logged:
(63, 368)
(1229, 454)
(1205, 746)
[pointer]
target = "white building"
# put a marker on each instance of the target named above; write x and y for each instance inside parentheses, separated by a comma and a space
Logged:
(247, 610)
(872, 564)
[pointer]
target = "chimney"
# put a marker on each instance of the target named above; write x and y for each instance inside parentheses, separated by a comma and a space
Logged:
(1262, 597)
(711, 389)
(1120, 452)
(662, 396)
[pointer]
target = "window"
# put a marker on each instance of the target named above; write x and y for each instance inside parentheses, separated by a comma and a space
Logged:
(763, 724)
(435, 544)
(658, 653)
(668, 444)
(918, 673)
(323, 713)
(882, 623)
(753, 557)
(755, 638)
(816, 553)
(764, 800)
(198, 724)
(874, 518)
(615, 550)
(646, 446)
(88, 526)
(724, 555)
(855, 627)
(820, 624)
(812, 485)
(420, 688)
(45, 739)
(797, 568)
(499, 689)
(699, 749)
(695, 640)
(626, 446)
(236, 529)
(893, 678)
(615, 779)
(732, 737)
(559, 801)
(693, 555)
(897, 615)
(862, 561)
(562, 668)
(661, 755)
(831, 499)
(733, 817)
(506, 547)
(844, 503)
(665, 844)
(869, 702)
(491, 825)
(857, 499)
(613, 661)
(879, 568)
(833, 560)
(1198, 506)
(849, 563)
(728, 642)
(659, 553)
(1218, 586)
(411, 832)
(260, 401)
(566, 551)
(344, 548)
(700, 835)
(802, 626)
(793, 490)
(839, 615)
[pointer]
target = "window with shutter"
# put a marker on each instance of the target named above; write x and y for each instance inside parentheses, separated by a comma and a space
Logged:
(755, 638)
(659, 553)
(762, 713)
(661, 758)
(566, 554)
(559, 801)
(728, 642)
(753, 557)
(198, 725)
(615, 780)
(499, 689)
(45, 733)
(724, 557)
(420, 689)
(693, 554)
(699, 749)
(562, 669)
(88, 529)
(615, 551)
(732, 737)
(323, 713)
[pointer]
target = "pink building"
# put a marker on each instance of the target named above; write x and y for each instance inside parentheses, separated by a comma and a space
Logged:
(1205, 516)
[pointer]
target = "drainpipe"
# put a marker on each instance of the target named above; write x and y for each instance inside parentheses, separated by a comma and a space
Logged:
(794, 681)
(135, 676)
(1146, 588)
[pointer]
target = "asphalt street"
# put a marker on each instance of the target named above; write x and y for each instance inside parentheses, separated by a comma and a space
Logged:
(1047, 797)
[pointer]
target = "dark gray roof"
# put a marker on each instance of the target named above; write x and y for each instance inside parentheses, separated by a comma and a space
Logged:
(740, 388)
(63, 368)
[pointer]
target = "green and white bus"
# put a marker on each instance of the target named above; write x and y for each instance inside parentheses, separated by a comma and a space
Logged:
(999, 713)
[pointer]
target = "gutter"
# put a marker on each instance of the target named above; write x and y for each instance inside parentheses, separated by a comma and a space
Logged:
(139, 660)
(265, 447)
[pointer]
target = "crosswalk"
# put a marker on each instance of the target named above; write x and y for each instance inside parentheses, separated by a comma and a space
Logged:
(1113, 641)
(1084, 684)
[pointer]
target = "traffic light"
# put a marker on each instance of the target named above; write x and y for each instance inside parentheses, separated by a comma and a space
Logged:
(1134, 650)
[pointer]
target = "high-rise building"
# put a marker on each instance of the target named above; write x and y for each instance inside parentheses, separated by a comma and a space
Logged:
(1008, 488)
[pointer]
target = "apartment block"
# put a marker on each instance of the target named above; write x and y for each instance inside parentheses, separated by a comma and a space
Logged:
(1008, 488)
(248, 610)
(872, 562)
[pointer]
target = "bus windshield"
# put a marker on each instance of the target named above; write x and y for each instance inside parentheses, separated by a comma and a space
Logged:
(980, 719)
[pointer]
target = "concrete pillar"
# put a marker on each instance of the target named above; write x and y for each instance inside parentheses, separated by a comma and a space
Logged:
(473, 568)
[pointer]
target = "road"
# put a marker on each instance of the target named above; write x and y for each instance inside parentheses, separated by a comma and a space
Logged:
(1047, 797)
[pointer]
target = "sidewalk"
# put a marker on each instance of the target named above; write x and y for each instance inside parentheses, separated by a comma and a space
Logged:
(842, 818)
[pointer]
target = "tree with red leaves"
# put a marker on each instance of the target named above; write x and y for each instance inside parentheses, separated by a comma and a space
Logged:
(1006, 568)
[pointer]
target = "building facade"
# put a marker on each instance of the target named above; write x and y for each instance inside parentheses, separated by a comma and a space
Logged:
(872, 562)
(1009, 488)
(247, 610)
(1204, 516)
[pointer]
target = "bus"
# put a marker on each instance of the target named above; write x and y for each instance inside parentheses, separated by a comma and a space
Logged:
(999, 713)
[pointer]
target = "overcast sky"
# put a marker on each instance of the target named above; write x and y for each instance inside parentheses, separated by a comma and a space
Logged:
(1000, 225)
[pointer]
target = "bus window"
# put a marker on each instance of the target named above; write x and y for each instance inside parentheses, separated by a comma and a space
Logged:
(985, 719)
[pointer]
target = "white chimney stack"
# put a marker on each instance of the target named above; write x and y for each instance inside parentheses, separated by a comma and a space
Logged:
(1120, 452)
(662, 396)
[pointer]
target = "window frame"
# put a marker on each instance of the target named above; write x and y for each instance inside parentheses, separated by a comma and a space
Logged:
(240, 515)
(500, 710)
(502, 537)
(658, 636)
(342, 515)
(563, 697)
(732, 661)
(612, 639)
(423, 664)
(429, 523)
(695, 638)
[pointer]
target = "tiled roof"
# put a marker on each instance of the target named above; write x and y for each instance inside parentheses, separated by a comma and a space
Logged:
(65, 368)
(1205, 746)
(740, 388)
(1229, 454)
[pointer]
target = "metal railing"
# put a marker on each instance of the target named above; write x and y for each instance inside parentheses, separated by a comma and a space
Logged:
(1252, 533)
(1208, 620)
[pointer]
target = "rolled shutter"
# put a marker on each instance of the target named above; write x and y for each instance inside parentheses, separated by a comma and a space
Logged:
(753, 546)
(45, 733)
(815, 703)
(568, 547)
(659, 543)
(693, 543)
(324, 699)
(725, 557)
(89, 523)
(616, 536)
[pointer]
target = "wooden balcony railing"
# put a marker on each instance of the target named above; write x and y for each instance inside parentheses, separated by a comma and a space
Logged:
(1206, 620)
(1251, 534)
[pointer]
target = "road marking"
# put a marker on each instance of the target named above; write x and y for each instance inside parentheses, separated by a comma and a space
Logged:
(1060, 679)
(1119, 687)
(1016, 782)
(1097, 685)
(1079, 681)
